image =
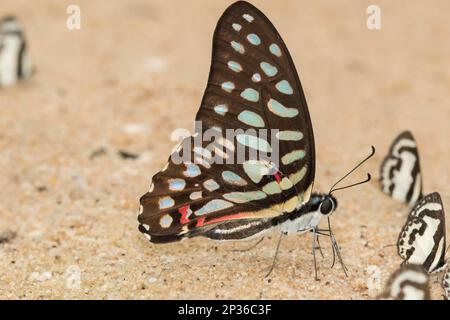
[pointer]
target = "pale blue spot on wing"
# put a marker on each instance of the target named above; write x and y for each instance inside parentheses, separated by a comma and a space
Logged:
(292, 156)
(238, 47)
(254, 39)
(228, 86)
(233, 178)
(166, 202)
(211, 185)
(286, 184)
(243, 197)
(248, 17)
(235, 66)
(204, 153)
(195, 195)
(288, 135)
(251, 118)
(192, 170)
(254, 142)
(176, 184)
(250, 95)
(212, 206)
(221, 109)
(284, 87)
(268, 69)
(256, 169)
(216, 129)
(256, 77)
(237, 26)
(165, 221)
(272, 188)
(299, 175)
(280, 110)
(275, 50)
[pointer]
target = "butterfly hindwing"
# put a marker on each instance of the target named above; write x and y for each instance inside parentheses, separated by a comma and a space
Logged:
(422, 239)
(187, 198)
(252, 85)
(410, 282)
(400, 175)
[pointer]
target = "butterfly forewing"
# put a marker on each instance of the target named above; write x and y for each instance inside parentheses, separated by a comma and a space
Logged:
(248, 173)
(422, 239)
(400, 175)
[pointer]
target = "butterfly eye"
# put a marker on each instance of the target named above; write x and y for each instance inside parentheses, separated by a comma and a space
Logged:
(326, 207)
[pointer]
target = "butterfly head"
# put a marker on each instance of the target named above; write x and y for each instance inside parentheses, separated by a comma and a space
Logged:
(328, 205)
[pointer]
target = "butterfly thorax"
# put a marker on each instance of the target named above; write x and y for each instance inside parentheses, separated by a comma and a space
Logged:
(308, 216)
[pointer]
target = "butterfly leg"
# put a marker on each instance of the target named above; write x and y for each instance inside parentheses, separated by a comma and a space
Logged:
(318, 242)
(336, 248)
(319, 246)
(314, 254)
(249, 248)
(322, 232)
(329, 234)
(275, 256)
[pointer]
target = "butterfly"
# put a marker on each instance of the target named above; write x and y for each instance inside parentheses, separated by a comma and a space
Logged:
(446, 284)
(205, 189)
(422, 239)
(400, 175)
(410, 282)
(15, 63)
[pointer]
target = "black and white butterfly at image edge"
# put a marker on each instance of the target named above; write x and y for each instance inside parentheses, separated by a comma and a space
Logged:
(15, 64)
(409, 282)
(446, 283)
(422, 239)
(252, 83)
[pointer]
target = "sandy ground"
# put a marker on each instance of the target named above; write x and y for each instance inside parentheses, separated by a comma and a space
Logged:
(135, 72)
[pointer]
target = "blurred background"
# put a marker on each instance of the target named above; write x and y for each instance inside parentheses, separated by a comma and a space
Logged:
(80, 141)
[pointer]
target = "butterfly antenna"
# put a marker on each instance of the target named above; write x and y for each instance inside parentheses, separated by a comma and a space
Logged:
(351, 171)
(355, 184)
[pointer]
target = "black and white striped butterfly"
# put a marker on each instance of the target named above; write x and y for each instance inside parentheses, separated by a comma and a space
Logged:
(422, 239)
(410, 282)
(253, 84)
(446, 284)
(15, 63)
(400, 174)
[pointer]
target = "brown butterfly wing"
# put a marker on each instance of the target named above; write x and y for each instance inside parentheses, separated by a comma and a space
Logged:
(252, 86)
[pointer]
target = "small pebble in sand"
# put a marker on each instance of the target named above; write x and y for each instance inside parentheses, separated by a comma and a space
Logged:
(127, 155)
(135, 128)
(41, 277)
(152, 280)
(97, 153)
(7, 235)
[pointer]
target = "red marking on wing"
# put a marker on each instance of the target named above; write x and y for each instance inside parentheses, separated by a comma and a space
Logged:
(226, 218)
(200, 222)
(277, 177)
(184, 211)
